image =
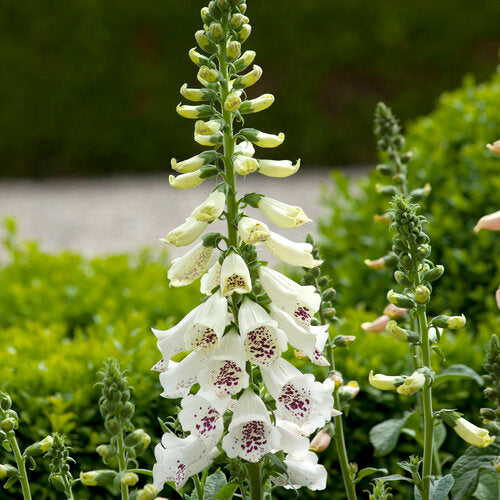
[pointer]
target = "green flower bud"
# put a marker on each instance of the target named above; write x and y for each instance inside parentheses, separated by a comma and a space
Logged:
(214, 10)
(422, 294)
(232, 102)
(134, 438)
(8, 424)
(129, 479)
(451, 322)
(245, 60)
(488, 413)
(112, 426)
(198, 58)
(149, 492)
(402, 279)
(105, 450)
(223, 4)
(210, 75)
(233, 50)
(255, 105)
(330, 312)
(194, 112)
(243, 8)
(143, 445)
(198, 94)
(386, 190)
(400, 300)
(384, 169)
(205, 15)
(244, 33)
(57, 480)
(39, 447)
(396, 332)
(216, 30)
(97, 477)
(248, 79)
(5, 401)
(7, 470)
(204, 42)
(344, 340)
(433, 274)
(236, 20)
(423, 251)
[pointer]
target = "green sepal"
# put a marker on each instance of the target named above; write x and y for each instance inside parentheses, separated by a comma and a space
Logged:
(208, 171)
(252, 199)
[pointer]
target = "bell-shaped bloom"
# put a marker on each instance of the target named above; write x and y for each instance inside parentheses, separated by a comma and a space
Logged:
(300, 302)
(210, 279)
(224, 373)
(197, 94)
(202, 415)
(209, 140)
(208, 324)
(194, 112)
(209, 127)
(412, 384)
(208, 74)
(194, 163)
(302, 470)
(232, 101)
(250, 78)
(186, 269)
(252, 231)
(234, 275)
(263, 340)
(385, 382)
(295, 254)
(278, 168)
(310, 341)
(211, 209)
(490, 222)
(186, 181)
(245, 148)
(475, 436)
(259, 104)
(177, 459)
(244, 165)
(494, 148)
(283, 215)
(262, 139)
(251, 434)
(292, 438)
(186, 233)
(299, 397)
(377, 325)
(178, 379)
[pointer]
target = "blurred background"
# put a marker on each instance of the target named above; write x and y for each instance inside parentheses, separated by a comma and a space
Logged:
(90, 87)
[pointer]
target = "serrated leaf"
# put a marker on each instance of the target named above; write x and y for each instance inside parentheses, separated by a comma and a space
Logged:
(441, 488)
(488, 486)
(226, 492)
(466, 469)
(458, 372)
(384, 436)
(213, 484)
(368, 471)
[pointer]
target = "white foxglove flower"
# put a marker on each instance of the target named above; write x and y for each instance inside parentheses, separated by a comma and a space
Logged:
(208, 325)
(251, 434)
(245, 148)
(209, 140)
(186, 233)
(310, 341)
(278, 168)
(412, 384)
(295, 254)
(300, 302)
(177, 459)
(186, 181)
(234, 275)
(178, 379)
(252, 231)
(193, 112)
(299, 397)
(302, 470)
(194, 163)
(263, 340)
(262, 139)
(470, 433)
(224, 373)
(186, 269)
(258, 104)
(160, 366)
(210, 279)
(283, 215)
(244, 165)
(202, 415)
(292, 438)
(211, 209)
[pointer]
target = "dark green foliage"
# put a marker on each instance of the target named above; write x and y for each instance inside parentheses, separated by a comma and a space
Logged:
(91, 86)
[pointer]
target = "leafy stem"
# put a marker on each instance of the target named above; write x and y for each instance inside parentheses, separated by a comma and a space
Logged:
(21, 464)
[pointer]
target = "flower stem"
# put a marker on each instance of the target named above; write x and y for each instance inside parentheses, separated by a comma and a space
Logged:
(255, 480)
(20, 461)
(197, 485)
(427, 404)
(122, 463)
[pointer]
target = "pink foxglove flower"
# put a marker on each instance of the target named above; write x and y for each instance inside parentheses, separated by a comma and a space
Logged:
(490, 222)
(251, 434)
(377, 325)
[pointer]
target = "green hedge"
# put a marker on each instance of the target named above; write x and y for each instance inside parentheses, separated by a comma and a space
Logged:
(91, 86)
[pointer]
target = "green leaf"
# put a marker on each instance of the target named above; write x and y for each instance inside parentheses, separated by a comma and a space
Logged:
(488, 486)
(367, 472)
(467, 468)
(457, 372)
(384, 436)
(226, 492)
(441, 487)
(12, 480)
(280, 466)
(213, 484)
(394, 477)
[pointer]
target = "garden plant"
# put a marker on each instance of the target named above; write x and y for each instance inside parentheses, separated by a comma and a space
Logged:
(254, 374)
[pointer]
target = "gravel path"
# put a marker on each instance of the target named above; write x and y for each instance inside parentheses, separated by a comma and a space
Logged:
(123, 214)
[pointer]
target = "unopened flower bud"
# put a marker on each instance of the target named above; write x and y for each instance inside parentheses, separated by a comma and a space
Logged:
(384, 169)
(337, 378)
(236, 20)
(39, 447)
(433, 274)
(223, 4)
(216, 30)
(232, 102)
(255, 105)
(134, 438)
(205, 43)
(494, 148)
(401, 278)
(349, 391)
(412, 384)
(112, 426)
(57, 480)
(129, 479)
(245, 60)
(386, 190)
(198, 58)
(344, 340)
(208, 74)
(488, 414)
(8, 424)
(97, 477)
(400, 300)
(330, 312)
(194, 112)
(7, 470)
(249, 78)
(422, 294)
(451, 322)
(244, 33)
(105, 450)
(320, 442)
(233, 50)
(149, 492)
(396, 332)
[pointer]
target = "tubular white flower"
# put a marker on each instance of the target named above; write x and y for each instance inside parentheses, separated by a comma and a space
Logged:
(470, 433)
(224, 373)
(244, 165)
(194, 163)
(412, 384)
(208, 140)
(252, 231)
(186, 269)
(245, 148)
(193, 112)
(211, 209)
(251, 434)
(245, 60)
(160, 366)
(186, 181)
(186, 233)
(178, 379)
(251, 77)
(311, 341)
(202, 415)
(269, 140)
(259, 104)
(299, 397)
(177, 459)
(278, 168)
(208, 325)
(292, 438)
(263, 340)
(385, 382)
(210, 279)
(295, 254)
(234, 275)
(302, 470)
(283, 215)
(197, 95)
(300, 302)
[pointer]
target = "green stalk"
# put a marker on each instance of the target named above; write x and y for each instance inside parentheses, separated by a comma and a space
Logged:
(67, 490)
(122, 464)
(197, 485)
(21, 467)
(255, 480)
(427, 404)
